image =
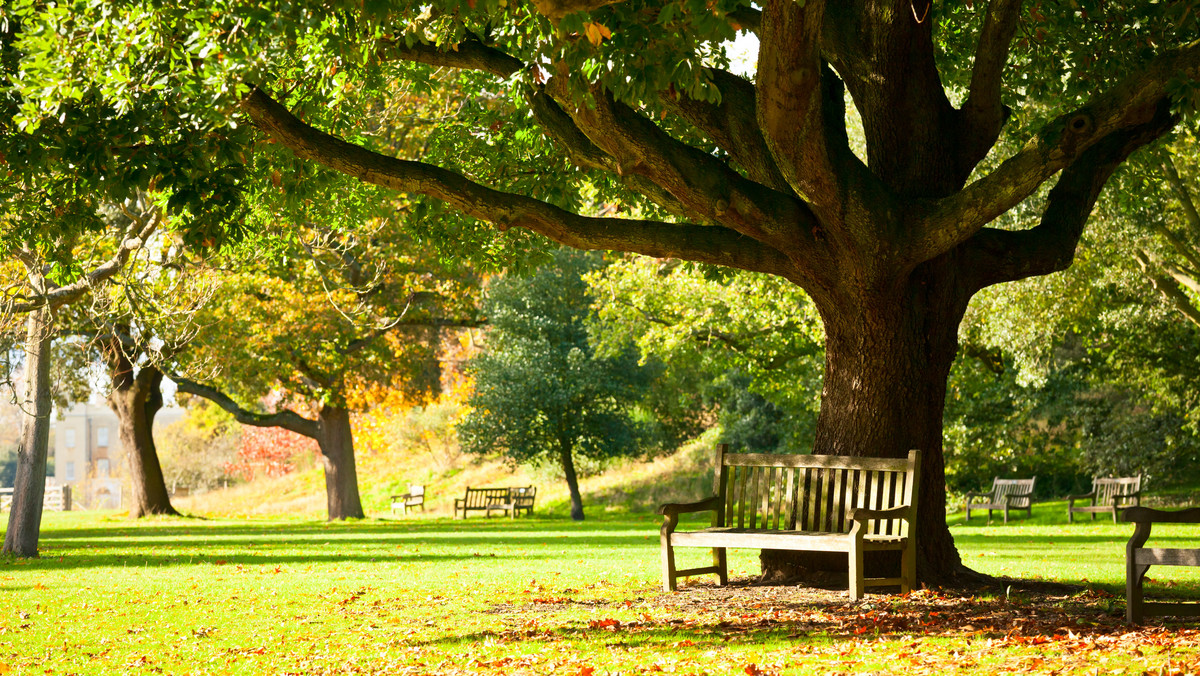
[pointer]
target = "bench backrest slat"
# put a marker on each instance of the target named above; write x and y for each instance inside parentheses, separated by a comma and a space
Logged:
(1106, 488)
(810, 492)
(1004, 487)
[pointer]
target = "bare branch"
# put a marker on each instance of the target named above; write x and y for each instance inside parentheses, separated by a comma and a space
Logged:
(1169, 289)
(665, 240)
(133, 239)
(1191, 215)
(288, 420)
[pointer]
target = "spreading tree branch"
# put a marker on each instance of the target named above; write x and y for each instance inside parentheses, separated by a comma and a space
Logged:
(942, 224)
(288, 420)
(1004, 255)
(732, 125)
(788, 96)
(712, 244)
(133, 238)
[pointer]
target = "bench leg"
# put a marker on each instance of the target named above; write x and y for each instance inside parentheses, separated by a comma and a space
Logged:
(668, 564)
(719, 560)
(908, 568)
(857, 579)
(1006, 515)
(1134, 575)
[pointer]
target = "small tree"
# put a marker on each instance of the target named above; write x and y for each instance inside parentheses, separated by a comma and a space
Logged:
(540, 389)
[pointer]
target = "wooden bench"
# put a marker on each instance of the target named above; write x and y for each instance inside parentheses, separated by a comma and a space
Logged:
(1106, 496)
(1138, 560)
(487, 500)
(816, 503)
(1006, 494)
(415, 497)
(57, 498)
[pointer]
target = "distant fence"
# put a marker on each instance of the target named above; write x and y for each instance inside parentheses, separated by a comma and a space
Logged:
(56, 498)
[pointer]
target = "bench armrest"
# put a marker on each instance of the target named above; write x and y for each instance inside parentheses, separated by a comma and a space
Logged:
(401, 497)
(864, 514)
(973, 494)
(1017, 496)
(706, 505)
(1085, 496)
(1147, 515)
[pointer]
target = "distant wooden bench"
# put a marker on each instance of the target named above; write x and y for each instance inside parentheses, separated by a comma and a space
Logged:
(521, 499)
(1106, 496)
(1138, 560)
(57, 498)
(817, 503)
(1006, 494)
(511, 501)
(415, 497)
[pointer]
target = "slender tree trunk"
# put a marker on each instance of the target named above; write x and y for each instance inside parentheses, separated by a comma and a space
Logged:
(135, 401)
(886, 366)
(29, 488)
(337, 456)
(568, 465)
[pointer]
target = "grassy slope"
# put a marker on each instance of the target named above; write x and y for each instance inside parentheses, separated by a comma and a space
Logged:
(634, 486)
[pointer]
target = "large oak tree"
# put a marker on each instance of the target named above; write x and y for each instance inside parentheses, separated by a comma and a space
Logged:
(752, 173)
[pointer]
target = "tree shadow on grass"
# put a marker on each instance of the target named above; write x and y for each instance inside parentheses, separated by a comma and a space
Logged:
(52, 560)
(702, 617)
(372, 528)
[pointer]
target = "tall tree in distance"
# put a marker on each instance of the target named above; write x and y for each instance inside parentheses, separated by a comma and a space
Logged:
(304, 324)
(541, 392)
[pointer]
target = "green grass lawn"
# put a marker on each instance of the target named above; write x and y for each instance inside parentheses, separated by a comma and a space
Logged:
(544, 595)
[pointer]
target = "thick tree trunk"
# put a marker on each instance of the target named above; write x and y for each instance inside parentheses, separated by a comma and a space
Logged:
(29, 488)
(568, 465)
(886, 365)
(337, 456)
(135, 401)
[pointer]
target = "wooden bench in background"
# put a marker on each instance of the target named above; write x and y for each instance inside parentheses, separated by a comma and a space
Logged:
(511, 501)
(415, 497)
(817, 503)
(1106, 496)
(1006, 494)
(1138, 560)
(57, 498)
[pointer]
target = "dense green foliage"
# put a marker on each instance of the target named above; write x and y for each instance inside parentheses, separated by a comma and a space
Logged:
(541, 391)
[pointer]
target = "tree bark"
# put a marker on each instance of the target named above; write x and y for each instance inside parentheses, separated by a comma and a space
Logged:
(337, 456)
(568, 465)
(136, 400)
(29, 488)
(886, 364)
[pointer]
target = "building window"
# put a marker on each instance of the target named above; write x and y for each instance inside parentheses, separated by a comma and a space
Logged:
(102, 467)
(70, 470)
(69, 438)
(101, 436)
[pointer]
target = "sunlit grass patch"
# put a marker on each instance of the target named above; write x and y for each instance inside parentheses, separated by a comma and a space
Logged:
(537, 596)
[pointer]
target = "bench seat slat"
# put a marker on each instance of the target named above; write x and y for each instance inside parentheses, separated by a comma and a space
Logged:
(1167, 557)
(799, 540)
(1160, 608)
